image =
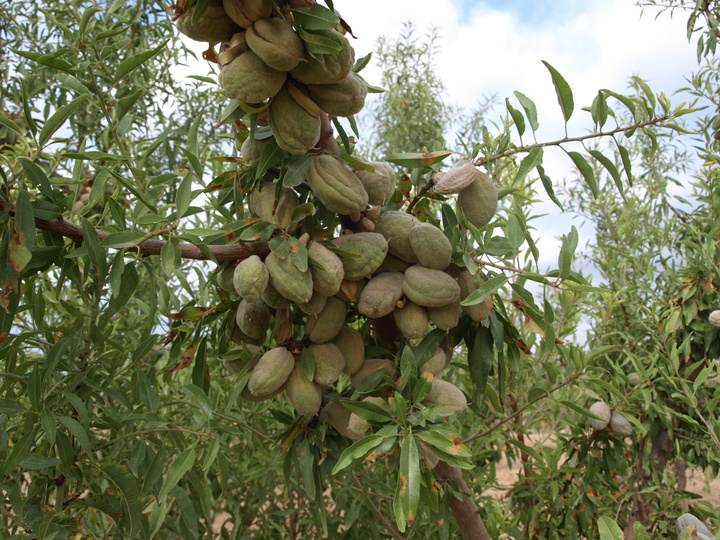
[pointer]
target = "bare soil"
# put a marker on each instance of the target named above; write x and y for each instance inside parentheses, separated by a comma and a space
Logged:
(704, 485)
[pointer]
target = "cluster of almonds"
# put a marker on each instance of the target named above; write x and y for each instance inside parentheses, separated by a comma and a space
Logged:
(396, 271)
(265, 66)
(386, 266)
(619, 425)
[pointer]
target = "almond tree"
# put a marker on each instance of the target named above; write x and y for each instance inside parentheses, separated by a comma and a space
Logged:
(218, 320)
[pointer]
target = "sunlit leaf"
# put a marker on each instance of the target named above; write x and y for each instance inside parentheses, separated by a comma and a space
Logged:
(563, 91)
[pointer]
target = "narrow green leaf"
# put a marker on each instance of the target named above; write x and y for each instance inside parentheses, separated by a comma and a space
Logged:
(184, 197)
(408, 369)
(357, 450)
(622, 99)
(530, 109)
(315, 17)
(11, 407)
(38, 177)
(94, 155)
(211, 454)
(356, 163)
(548, 185)
(610, 388)
(123, 239)
(199, 398)
(22, 242)
(49, 424)
(439, 440)
(182, 464)
(126, 103)
(170, 257)
(367, 410)
(10, 124)
(79, 432)
(481, 358)
(58, 119)
(271, 155)
(318, 43)
(563, 91)
(73, 83)
(627, 164)
(298, 254)
(409, 478)
(134, 62)
(297, 170)
(567, 252)
(307, 363)
(647, 91)
(80, 408)
(586, 170)
(92, 243)
(36, 462)
(517, 117)
(525, 448)
(609, 530)
(19, 450)
(418, 160)
(529, 162)
(599, 109)
(126, 483)
(302, 211)
(258, 231)
(428, 346)
(610, 167)
(491, 286)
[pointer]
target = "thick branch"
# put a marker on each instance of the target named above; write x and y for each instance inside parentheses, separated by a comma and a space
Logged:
(225, 253)
(465, 510)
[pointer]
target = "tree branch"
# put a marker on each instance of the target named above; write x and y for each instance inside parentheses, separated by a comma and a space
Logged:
(465, 510)
(231, 252)
(558, 142)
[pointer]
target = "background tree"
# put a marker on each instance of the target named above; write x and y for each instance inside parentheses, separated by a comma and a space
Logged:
(411, 110)
(125, 407)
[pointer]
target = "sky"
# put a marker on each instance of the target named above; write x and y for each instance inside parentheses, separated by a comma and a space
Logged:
(495, 47)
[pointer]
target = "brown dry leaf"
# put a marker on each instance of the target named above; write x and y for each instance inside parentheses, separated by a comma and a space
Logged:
(185, 360)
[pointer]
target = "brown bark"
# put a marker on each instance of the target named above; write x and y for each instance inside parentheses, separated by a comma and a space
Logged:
(465, 510)
(327, 143)
(225, 253)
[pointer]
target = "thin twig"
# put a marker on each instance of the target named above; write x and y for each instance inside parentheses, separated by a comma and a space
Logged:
(521, 410)
(154, 430)
(392, 530)
(558, 142)
(360, 490)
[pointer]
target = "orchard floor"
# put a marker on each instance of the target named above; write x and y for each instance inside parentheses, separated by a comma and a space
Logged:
(697, 482)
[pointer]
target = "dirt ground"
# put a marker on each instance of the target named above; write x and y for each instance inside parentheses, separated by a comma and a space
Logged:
(697, 481)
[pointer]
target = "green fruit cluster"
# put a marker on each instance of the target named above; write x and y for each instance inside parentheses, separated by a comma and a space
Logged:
(266, 67)
(300, 307)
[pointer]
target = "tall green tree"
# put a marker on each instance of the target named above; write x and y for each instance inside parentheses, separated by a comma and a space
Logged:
(129, 398)
(411, 113)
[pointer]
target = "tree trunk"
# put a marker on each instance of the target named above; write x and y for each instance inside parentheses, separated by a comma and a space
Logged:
(465, 510)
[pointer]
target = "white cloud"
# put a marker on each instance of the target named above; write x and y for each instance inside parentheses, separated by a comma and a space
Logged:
(488, 50)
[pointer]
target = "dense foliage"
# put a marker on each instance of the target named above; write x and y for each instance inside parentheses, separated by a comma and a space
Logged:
(124, 408)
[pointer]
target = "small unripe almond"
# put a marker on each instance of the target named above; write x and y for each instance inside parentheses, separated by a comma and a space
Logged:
(601, 409)
(620, 425)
